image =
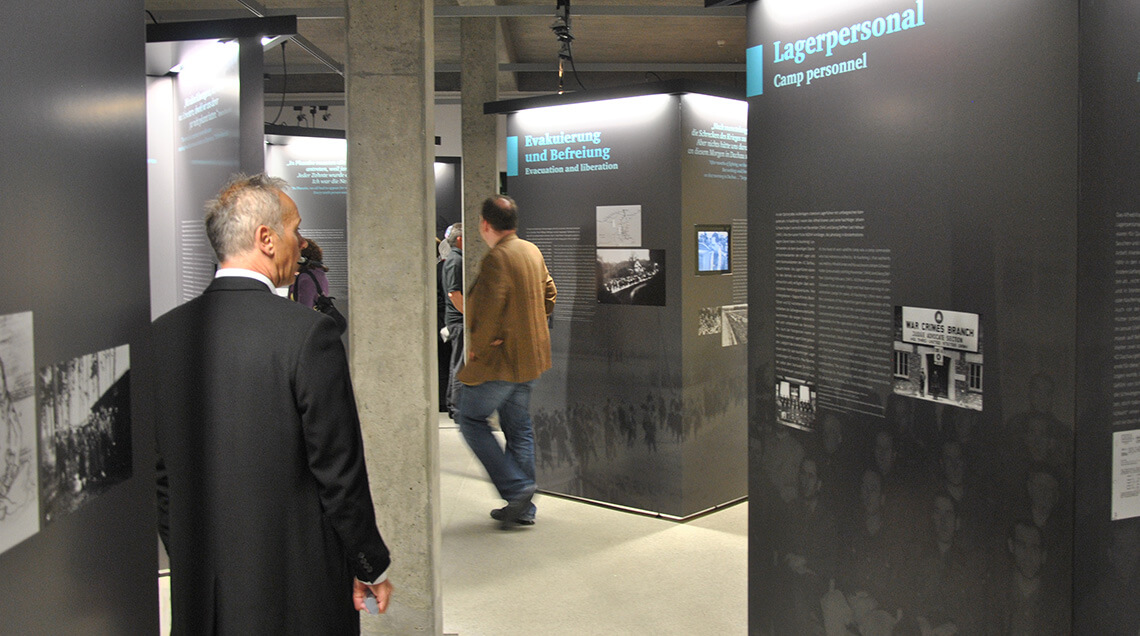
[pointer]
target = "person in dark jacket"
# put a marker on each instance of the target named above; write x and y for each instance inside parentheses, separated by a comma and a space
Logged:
(263, 497)
(311, 280)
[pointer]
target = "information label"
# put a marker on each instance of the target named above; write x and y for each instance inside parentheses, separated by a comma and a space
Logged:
(1125, 474)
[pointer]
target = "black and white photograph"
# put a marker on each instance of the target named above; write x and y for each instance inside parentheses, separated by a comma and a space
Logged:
(932, 515)
(795, 403)
(619, 225)
(85, 429)
(713, 243)
(631, 277)
(708, 321)
(938, 356)
(734, 329)
(19, 503)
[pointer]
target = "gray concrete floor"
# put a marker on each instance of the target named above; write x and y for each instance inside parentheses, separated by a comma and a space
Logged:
(583, 569)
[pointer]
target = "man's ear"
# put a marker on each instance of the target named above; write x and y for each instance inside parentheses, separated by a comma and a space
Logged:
(265, 243)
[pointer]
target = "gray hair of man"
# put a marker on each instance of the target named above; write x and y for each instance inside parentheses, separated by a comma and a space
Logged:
(243, 204)
(453, 234)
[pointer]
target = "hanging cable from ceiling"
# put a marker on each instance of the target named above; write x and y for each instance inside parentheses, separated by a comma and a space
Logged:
(561, 28)
(284, 83)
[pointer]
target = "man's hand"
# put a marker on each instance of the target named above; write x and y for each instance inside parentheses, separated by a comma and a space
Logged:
(382, 591)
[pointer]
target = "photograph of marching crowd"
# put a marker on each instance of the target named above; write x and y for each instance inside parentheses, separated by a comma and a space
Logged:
(708, 321)
(626, 448)
(85, 429)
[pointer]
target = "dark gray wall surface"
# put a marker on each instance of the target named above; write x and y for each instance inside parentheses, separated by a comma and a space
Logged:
(1106, 580)
(614, 365)
(316, 170)
(714, 414)
(74, 219)
(209, 147)
(614, 418)
(953, 146)
(251, 65)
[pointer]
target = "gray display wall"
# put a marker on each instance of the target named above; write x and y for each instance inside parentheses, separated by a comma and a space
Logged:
(207, 132)
(714, 300)
(913, 214)
(316, 169)
(1106, 582)
(77, 529)
(642, 408)
(204, 125)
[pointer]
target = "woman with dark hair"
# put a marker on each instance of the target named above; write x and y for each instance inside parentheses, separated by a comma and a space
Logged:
(311, 287)
(311, 279)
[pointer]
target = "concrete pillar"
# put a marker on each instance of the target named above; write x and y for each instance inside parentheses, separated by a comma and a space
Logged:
(391, 255)
(479, 83)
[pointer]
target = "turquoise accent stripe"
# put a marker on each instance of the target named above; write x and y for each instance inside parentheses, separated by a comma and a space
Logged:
(512, 156)
(754, 64)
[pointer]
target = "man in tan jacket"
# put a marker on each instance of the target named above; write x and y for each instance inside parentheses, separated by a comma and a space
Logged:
(508, 345)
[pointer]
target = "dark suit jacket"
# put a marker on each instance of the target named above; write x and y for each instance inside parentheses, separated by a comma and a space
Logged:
(510, 301)
(264, 503)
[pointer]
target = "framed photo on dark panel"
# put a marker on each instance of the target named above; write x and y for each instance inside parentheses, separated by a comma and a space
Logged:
(714, 245)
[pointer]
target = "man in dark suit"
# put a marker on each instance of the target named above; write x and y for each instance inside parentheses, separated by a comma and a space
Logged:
(264, 504)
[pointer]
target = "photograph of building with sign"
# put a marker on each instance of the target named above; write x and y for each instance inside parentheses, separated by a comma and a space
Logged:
(938, 356)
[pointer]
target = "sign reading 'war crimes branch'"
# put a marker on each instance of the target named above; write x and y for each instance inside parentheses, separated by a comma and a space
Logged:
(938, 328)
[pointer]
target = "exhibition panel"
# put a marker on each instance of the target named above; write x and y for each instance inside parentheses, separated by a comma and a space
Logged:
(629, 197)
(913, 187)
(1106, 580)
(204, 124)
(207, 150)
(316, 169)
(77, 523)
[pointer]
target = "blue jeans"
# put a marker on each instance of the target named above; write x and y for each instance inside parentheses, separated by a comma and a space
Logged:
(510, 469)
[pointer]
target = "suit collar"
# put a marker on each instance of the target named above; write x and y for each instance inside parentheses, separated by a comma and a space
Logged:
(245, 273)
(237, 283)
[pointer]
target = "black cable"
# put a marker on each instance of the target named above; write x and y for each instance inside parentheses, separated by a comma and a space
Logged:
(574, 68)
(151, 16)
(284, 82)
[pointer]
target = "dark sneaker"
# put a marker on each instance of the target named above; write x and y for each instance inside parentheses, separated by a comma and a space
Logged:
(516, 509)
(524, 520)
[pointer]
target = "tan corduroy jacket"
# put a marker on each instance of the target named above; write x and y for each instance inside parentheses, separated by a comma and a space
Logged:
(511, 300)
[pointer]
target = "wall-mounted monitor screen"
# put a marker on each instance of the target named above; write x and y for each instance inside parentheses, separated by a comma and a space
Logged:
(714, 243)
